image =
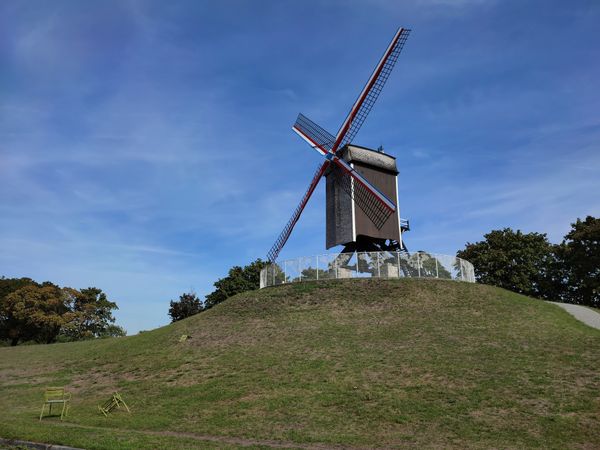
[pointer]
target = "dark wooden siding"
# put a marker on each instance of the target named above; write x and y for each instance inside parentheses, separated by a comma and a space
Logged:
(386, 183)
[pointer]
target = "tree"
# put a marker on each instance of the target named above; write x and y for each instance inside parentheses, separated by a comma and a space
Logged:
(113, 330)
(92, 313)
(30, 311)
(311, 273)
(7, 321)
(186, 306)
(520, 262)
(432, 267)
(580, 255)
(239, 279)
(34, 312)
(8, 285)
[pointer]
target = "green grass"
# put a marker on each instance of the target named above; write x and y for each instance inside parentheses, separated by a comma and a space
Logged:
(365, 363)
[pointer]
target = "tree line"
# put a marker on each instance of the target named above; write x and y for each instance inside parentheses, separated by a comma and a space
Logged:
(526, 263)
(529, 264)
(46, 313)
(239, 279)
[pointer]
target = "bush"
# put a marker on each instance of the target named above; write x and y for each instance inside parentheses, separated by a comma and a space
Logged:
(186, 306)
(239, 279)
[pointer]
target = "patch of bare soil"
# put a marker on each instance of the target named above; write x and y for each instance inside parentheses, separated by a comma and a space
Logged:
(102, 380)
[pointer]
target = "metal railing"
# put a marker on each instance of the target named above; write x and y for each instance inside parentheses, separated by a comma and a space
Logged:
(367, 265)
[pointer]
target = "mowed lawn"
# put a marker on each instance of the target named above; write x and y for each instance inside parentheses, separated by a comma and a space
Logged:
(356, 363)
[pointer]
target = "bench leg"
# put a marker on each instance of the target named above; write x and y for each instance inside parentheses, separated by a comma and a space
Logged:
(102, 410)
(119, 400)
(42, 413)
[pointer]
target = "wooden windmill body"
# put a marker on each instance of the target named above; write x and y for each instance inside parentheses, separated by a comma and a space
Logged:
(346, 223)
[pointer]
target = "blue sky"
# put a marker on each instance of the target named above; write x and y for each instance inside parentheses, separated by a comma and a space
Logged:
(146, 147)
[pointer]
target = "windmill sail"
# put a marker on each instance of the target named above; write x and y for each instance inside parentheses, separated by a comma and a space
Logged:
(287, 230)
(365, 101)
(318, 136)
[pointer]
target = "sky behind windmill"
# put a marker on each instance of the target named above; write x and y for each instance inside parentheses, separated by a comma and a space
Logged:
(146, 147)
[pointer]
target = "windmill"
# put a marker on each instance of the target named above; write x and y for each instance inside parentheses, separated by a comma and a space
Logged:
(360, 218)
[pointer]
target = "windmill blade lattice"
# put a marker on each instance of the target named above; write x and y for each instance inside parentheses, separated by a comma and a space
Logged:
(321, 137)
(287, 230)
(365, 101)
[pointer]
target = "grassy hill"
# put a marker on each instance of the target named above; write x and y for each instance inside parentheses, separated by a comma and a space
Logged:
(357, 363)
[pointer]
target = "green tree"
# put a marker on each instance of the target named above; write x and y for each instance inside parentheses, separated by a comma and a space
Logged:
(7, 320)
(31, 311)
(311, 273)
(580, 256)
(113, 330)
(432, 267)
(239, 279)
(34, 312)
(92, 313)
(8, 285)
(186, 306)
(512, 260)
(275, 275)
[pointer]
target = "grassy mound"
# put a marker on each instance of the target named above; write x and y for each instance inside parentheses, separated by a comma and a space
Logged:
(357, 363)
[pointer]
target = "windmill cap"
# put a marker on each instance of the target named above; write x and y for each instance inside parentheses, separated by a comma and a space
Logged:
(370, 157)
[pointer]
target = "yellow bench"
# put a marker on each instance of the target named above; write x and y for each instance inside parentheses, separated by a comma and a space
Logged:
(116, 401)
(56, 396)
